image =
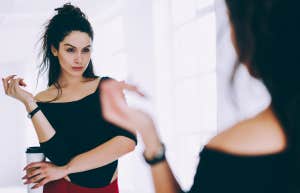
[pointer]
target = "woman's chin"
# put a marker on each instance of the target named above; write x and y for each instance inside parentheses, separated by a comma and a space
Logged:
(77, 73)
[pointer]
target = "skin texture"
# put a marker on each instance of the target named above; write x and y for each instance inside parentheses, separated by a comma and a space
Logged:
(73, 51)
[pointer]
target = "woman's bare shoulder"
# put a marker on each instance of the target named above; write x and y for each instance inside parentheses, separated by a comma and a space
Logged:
(46, 95)
(260, 135)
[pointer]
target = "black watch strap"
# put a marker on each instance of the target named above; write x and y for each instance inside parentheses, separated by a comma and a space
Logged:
(159, 157)
(30, 115)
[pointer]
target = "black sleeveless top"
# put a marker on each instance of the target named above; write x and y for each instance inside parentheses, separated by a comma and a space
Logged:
(222, 172)
(80, 127)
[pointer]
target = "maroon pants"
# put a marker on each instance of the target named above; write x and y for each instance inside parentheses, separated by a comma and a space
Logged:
(64, 186)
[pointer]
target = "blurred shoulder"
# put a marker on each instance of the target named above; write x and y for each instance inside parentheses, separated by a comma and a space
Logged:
(259, 135)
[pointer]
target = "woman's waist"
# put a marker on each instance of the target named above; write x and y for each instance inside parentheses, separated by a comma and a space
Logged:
(95, 178)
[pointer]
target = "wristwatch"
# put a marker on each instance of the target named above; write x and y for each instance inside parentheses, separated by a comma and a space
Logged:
(30, 115)
(158, 157)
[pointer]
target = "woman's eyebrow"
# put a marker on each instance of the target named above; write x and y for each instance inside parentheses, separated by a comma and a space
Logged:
(67, 44)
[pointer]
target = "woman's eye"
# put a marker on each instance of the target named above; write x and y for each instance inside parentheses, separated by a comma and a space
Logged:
(70, 50)
(86, 50)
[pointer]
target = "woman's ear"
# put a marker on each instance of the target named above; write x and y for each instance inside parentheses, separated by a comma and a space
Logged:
(53, 50)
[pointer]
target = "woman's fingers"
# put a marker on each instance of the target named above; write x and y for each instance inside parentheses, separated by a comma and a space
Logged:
(42, 183)
(34, 173)
(17, 83)
(114, 96)
(35, 165)
(22, 83)
(13, 86)
(10, 86)
(35, 179)
(131, 87)
(115, 86)
(9, 77)
(6, 82)
(10, 83)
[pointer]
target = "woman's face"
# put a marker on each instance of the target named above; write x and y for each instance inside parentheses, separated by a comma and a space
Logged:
(74, 53)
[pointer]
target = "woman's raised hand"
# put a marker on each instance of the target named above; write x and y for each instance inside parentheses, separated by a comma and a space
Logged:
(12, 87)
(116, 110)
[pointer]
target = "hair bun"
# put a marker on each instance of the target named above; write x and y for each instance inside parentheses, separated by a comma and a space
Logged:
(69, 9)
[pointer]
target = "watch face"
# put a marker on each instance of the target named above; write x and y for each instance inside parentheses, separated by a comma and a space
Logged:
(29, 116)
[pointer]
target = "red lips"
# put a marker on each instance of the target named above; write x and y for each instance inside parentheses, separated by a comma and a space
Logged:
(77, 68)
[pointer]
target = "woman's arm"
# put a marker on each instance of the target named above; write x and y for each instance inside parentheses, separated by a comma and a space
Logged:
(101, 155)
(116, 111)
(106, 153)
(162, 175)
(12, 87)
(44, 130)
(97, 157)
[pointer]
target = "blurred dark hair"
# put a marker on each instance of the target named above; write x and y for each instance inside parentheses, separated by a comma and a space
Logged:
(68, 18)
(266, 35)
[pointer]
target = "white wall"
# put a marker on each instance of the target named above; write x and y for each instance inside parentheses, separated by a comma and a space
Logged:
(178, 69)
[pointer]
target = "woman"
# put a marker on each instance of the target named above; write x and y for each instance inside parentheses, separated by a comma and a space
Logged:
(82, 147)
(260, 154)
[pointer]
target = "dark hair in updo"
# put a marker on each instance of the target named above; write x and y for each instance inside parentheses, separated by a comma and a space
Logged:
(68, 19)
(267, 38)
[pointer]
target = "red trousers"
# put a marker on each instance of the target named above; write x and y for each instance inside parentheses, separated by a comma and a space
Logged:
(64, 186)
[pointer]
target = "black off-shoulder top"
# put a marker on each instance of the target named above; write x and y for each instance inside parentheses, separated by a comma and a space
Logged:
(223, 172)
(80, 127)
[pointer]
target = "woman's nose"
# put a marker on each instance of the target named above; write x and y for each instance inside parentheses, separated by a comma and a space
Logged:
(78, 58)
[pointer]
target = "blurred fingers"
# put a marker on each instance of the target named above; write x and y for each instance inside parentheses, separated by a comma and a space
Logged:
(131, 87)
(22, 83)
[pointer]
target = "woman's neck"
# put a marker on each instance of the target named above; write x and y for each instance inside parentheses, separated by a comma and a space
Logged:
(65, 81)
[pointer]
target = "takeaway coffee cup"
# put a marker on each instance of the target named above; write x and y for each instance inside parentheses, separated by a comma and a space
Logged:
(34, 154)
